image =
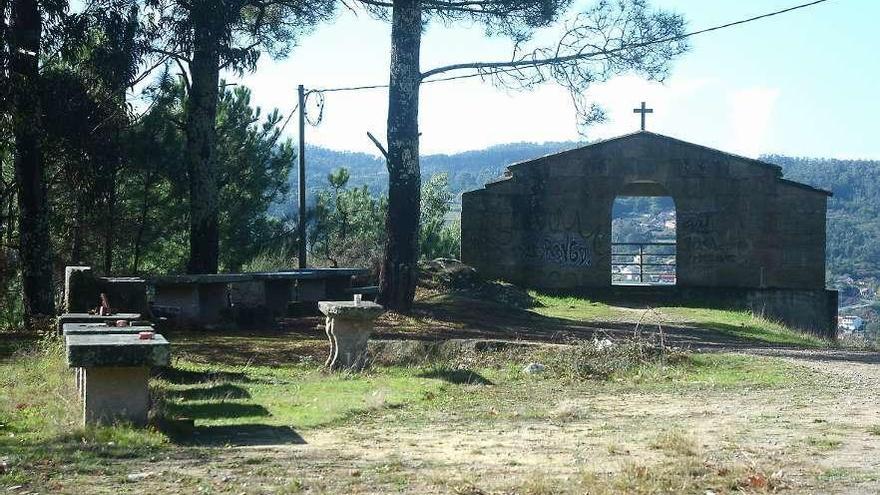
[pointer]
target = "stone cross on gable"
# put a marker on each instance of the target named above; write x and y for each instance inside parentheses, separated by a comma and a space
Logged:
(643, 111)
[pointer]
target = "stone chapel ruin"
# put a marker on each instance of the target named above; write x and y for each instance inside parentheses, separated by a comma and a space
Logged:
(746, 237)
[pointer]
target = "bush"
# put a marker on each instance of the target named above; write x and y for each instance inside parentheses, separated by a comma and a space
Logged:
(602, 359)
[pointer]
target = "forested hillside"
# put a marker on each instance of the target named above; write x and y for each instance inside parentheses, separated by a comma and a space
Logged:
(467, 170)
(853, 212)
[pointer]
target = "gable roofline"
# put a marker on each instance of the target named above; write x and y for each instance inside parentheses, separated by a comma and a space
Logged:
(808, 187)
(752, 161)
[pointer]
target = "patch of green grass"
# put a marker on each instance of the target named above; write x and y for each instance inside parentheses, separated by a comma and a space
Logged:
(823, 442)
(296, 396)
(574, 308)
(738, 324)
(681, 474)
(716, 371)
(743, 325)
(851, 475)
(675, 443)
(874, 430)
(40, 411)
(41, 421)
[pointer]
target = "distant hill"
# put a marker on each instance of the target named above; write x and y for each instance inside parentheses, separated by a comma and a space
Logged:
(467, 170)
(853, 213)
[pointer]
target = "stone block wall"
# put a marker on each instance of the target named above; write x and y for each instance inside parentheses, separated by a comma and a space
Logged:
(547, 223)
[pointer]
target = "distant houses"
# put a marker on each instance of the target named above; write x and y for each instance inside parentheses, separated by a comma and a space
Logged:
(850, 325)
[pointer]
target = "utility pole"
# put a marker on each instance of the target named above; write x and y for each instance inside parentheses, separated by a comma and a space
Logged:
(302, 177)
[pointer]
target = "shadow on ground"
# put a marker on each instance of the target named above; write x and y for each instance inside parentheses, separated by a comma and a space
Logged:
(457, 376)
(13, 342)
(189, 377)
(437, 317)
(241, 435)
(225, 391)
(447, 317)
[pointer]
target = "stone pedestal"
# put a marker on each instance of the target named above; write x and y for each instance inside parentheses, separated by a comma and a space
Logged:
(113, 395)
(112, 374)
(349, 326)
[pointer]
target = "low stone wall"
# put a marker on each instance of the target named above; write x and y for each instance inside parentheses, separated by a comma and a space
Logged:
(810, 310)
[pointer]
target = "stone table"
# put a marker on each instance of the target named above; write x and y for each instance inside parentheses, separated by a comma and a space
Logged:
(97, 329)
(90, 318)
(202, 299)
(102, 328)
(349, 325)
(116, 372)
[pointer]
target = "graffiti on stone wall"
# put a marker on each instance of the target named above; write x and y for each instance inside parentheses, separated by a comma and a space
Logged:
(702, 167)
(559, 249)
(694, 221)
(706, 240)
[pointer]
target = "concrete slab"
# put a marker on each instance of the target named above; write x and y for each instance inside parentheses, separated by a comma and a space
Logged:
(116, 350)
(365, 310)
(90, 318)
(101, 328)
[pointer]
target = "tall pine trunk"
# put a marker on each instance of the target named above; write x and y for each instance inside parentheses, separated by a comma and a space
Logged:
(5, 191)
(399, 274)
(114, 164)
(142, 222)
(110, 221)
(33, 210)
(204, 250)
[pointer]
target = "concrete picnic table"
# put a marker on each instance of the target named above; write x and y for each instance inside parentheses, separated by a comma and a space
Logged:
(201, 298)
(102, 328)
(113, 373)
(93, 318)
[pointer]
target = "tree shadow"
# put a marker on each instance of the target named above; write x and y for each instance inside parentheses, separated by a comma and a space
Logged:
(13, 343)
(188, 377)
(222, 391)
(457, 376)
(457, 317)
(827, 355)
(252, 434)
(217, 410)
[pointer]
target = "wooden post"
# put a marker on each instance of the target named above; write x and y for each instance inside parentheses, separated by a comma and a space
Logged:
(302, 177)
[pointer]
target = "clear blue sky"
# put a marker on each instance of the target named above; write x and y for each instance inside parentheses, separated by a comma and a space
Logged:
(804, 83)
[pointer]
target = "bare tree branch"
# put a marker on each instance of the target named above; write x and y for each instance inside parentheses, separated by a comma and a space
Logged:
(378, 144)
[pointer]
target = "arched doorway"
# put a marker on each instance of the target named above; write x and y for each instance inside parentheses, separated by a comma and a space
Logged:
(643, 236)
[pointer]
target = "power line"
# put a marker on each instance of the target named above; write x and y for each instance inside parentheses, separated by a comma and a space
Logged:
(629, 47)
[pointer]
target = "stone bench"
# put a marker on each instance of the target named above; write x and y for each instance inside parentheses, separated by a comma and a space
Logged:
(367, 290)
(349, 325)
(113, 371)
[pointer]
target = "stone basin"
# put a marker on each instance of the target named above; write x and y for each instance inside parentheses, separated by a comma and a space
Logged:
(349, 325)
